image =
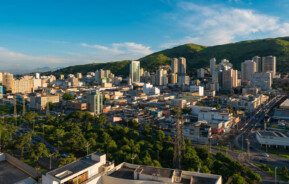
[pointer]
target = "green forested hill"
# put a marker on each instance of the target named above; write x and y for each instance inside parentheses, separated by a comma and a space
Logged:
(199, 56)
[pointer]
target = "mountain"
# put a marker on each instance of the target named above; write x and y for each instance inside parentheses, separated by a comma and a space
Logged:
(198, 56)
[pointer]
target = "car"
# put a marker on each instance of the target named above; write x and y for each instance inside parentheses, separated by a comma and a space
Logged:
(266, 155)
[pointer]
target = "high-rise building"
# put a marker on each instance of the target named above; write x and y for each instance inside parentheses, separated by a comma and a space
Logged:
(23, 85)
(201, 73)
(269, 65)
(262, 80)
(1, 91)
(95, 101)
(61, 77)
(183, 80)
(79, 75)
(173, 78)
(142, 71)
(225, 64)
(161, 77)
(174, 65)
(182, 68)
(8, 81)
(135, 71)
(248, 68)
(37, 75)
(102, 76)
(212, 65)
(258, 61)
(229, 79)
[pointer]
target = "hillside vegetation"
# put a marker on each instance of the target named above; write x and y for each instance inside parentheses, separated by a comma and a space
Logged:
(199, 56)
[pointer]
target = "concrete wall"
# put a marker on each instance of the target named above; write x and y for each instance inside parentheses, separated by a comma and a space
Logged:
(22, 166)
(189, 174)
(113, 180)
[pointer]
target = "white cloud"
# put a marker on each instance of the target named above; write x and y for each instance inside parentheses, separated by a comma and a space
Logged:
(12, 60)
(217, 24)
(118, 51)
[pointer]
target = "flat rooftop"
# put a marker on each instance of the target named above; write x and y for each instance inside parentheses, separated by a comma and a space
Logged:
(285, 104)
(10, 174)
(124, 172)
(156, 171)
(127, 172)
(272, 134)
(72, 168)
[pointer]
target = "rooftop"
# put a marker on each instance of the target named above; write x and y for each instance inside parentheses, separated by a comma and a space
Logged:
(128, 171)
(10, 174)
(285, 104)
(124, 172)
(74, 167)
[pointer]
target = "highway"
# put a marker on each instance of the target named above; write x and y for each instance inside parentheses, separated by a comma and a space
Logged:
(246, 140)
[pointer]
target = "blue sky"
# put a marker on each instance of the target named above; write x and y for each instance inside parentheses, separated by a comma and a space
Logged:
(59, 33)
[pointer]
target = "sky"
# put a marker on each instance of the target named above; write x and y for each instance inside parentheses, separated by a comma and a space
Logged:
(59, 33)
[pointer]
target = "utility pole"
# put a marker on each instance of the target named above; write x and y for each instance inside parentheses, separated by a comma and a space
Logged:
(15, 108)
(87, 147)
(275, 175)
(248, 148)
(23, 107)
(47, 108)
(50, 160)
(15, 111)
(242, 142)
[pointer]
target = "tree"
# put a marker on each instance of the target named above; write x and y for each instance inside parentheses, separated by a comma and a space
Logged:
(67, 160)
(67, 96)
(23, 142)
(30, 117)
(101, 120)
(238, 179)
(190, 160)
(39, 150)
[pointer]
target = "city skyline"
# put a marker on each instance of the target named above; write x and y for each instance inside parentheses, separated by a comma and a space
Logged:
(58, 34)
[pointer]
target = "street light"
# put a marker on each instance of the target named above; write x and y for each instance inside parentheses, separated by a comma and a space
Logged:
(87, 147)
(50, 162)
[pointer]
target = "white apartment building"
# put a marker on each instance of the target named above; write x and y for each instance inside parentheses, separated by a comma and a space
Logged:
(149, 89)
(248, 103)
(135, 71)
(199, 90)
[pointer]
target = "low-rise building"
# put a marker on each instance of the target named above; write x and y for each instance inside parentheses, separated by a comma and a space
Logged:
(272, 138)
(14, 171)
(39, 102)
(94, 169)
(248, 103)
(199, 132)
(282, 113)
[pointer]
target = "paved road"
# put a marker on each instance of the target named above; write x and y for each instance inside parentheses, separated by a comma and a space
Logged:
(246, 140)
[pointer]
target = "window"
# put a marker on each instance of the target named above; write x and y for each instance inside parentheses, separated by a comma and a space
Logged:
(78, 179)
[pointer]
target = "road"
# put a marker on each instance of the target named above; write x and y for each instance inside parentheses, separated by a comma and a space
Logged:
(246, 141)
